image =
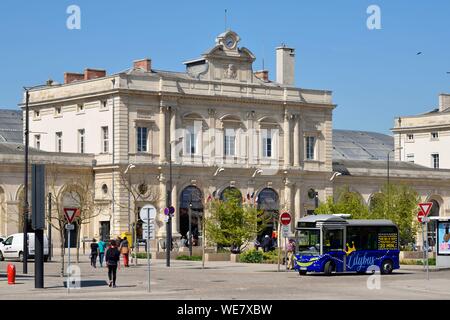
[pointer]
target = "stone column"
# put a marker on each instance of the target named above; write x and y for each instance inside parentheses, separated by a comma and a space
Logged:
(287, 140)
(212, 136)
(162, 134)
(297, 206)
(161, 232)
(175, 224)
(173, 129)
(296, 141)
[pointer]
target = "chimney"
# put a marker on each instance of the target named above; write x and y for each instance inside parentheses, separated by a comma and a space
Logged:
(144, 64)
(285, 65)
(93, 74)
(262, 74)
(444, 101)
(71, 76)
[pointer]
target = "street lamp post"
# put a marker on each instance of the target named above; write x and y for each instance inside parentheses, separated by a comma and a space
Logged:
(190, 227)
(169, 199)
(136, 247)
(388, 182)
(25, 198)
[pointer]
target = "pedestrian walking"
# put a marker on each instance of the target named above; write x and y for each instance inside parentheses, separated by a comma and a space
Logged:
(266, 243)
(94, 253)
(290, 254)
(125, 251)
(112, 258)
(101, 251)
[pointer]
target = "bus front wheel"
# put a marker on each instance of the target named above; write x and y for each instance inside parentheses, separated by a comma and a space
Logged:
(302, 272)
(387, 267)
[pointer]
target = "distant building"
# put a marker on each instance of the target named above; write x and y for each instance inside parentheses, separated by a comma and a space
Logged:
(425, 139)
(11, 129)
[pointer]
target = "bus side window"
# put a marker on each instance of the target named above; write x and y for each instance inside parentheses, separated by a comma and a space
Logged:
(353, 236)
(369, 238)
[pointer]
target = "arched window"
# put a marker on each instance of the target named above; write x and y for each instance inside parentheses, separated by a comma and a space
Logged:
(268, 202)
(231, 193)
(191, 197)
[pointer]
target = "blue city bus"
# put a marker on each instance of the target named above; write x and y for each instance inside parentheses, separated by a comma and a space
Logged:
(330, 243)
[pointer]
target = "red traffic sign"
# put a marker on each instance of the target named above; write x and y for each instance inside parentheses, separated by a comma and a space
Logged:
(70, 214)
(425, 209)
(420, 216)
(285, 218)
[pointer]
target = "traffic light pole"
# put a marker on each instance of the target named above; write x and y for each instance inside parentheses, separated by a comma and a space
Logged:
(25, 187)
(169, 201)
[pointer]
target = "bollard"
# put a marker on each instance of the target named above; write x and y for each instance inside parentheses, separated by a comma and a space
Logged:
(11, 274)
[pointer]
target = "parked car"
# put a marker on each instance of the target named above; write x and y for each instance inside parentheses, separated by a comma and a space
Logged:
(12, 247)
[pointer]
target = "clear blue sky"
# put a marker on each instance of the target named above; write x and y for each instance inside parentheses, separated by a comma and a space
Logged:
(375, 75)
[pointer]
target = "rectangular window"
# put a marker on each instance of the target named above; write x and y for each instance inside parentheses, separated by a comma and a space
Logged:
(81, 141)
(410, 137)
(58, 147)
(105, 140)
(57, 111)
(37, 114)
(37, 141)
(80, 107)
(267, 143)
(435, 160)
(103, 104)
(142, 133)
(190, 141)
(230, 142)
(310, 146)
(435, 135)
(410, 157)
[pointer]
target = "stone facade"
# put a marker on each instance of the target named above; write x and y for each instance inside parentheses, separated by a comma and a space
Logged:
(261, 134)
(424, 139)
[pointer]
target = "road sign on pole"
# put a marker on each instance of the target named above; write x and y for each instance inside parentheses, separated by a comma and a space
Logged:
(285, 218)
(70, 214)
(148, 215)
(147, 212)
(425, 207)
(285, 231)
(422, 216)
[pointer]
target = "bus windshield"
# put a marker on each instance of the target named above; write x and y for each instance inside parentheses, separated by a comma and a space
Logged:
(309, 241)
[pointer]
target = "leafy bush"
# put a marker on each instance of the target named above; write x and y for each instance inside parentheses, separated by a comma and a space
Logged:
(141, 255)
(271, 256)
(189, 258)
(418, 262)
(251, 256)
(431, 262)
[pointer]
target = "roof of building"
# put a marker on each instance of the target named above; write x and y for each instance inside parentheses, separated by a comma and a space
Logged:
(361, 145)
(11, 123)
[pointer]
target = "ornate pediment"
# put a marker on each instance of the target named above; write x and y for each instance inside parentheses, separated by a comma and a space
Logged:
(226, 61)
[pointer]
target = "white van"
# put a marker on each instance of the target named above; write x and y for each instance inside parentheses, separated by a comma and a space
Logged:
(12, 247)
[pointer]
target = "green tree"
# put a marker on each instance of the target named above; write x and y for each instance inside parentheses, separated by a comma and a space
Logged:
(399, 204)
(346, 202)
(231, 223)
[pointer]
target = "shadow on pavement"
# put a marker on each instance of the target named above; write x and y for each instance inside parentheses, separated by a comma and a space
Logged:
(88, 283)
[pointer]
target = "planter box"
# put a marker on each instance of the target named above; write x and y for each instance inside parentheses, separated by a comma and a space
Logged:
(217, 256)
(414, 255)
(234, 258)
(162, 255)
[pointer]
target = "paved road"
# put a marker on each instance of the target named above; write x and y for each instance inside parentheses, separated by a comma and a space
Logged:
(223, 280)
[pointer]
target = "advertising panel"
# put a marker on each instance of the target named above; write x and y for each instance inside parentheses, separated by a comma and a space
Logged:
(443, 237)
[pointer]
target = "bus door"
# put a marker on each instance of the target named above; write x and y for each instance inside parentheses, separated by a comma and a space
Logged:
(333, 245)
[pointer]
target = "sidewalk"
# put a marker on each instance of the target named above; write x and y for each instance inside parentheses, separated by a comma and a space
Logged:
(420, 267)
